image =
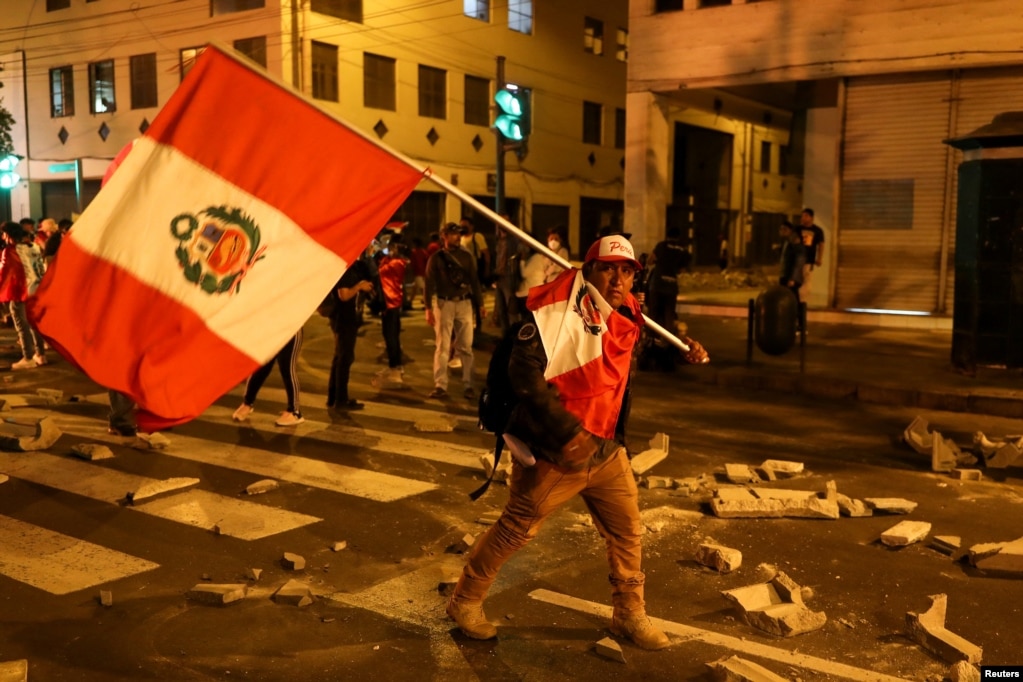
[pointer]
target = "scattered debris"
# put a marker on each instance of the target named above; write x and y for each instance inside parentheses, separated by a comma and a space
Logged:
(852, 508)
(741, 473)
(739, 502)
(776, 607)
(943, 453)
(653, 482)
(656, 526)
(779, 468)
(14, 671)
(91, 451)
(961, 671)
(489, 518)
(447, 586)
(998, 454)
(339, 546)
(53, 396)
(967, 474)
(890, 505)
(151, 490)
(463, 545)
(1000, 558)
(12, 400)
(255, 573)
(217, 594)
(905, 533)
(295, 593)
(434, 425)
(918, 436)
(735, 669)
(504, 469)
(106, 597)
(609, 649)
(293, 562)
(946, 544)
(648, 459)
(722, 559)
(928, 630)
(28, 435)
(260, 487)
(150, 441)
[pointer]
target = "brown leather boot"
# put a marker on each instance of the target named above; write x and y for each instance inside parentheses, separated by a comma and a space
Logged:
(471, 620)
(636, 626)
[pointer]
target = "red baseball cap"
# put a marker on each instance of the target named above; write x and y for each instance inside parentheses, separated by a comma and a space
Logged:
(613, 247)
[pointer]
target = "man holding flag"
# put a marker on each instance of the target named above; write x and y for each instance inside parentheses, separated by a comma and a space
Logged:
(570, 371)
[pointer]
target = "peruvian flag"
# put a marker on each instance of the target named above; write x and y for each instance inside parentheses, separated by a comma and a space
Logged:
(221, 231)
(589, 348)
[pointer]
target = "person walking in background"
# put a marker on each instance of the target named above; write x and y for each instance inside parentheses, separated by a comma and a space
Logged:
(556, 243)
(21, 270)
(391, 265)
(417, 259)
(813, 241)
(286, 360)
(793, 258)
(344, 323)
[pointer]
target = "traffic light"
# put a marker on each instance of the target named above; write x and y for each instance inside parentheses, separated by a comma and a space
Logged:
(8, 177)
(513, 115)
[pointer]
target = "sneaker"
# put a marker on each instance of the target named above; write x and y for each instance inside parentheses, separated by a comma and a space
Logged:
(126, 431)
(639, 630)
(455, 363)
(242, 413)
(438, 392)
(24, 363)
(352, 405)
(290, 419)
(471, 620)
(39, 359)
(470, 393)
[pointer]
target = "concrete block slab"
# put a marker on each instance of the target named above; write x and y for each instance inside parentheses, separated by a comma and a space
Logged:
(782, 493)
(434, 425)
(28, 435)
(157, 489)
(53, 396)
(983, 550)
(339, 546)
(464, 543)
(776, 607)
(489, 518)
(1005, 456)
(928, 630)
(653, 482)
(984, 445)
(647, 460)
(735, 493)
(609, 649)
(1007, 561)
(967, 474)
(503, 469)
(946, 544)
(918, 436)
(260, 487)
(216, 594)
(943, 457)
(852, 508)
(962, 671)
(660, 441)
(254, 574)
(811, 508)
(782, 468)
(293, 562)
(905, 533)
(293, 593)
(890, 505)
(741, 473)
(91, 451)
(106, 598)
(722, 559)
(150, 441)
(735, 669)
(14, 671)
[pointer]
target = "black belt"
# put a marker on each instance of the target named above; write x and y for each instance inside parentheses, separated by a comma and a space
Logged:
(455, 298)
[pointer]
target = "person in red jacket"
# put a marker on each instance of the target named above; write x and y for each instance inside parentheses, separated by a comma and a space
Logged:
(21, 268)
(391, 266)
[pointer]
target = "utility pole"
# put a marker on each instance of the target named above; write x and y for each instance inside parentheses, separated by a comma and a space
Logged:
(499, 167)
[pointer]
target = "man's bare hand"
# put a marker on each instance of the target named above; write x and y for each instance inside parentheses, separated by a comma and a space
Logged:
(697, 354)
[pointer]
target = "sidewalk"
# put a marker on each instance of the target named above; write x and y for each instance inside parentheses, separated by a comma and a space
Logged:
(885, 359)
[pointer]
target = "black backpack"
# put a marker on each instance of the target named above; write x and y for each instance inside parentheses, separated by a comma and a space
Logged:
(497, 399)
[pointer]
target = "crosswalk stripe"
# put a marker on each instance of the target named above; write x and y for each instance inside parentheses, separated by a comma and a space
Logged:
(293, 468)
(60, 564)
(372, 408)
(200, 508)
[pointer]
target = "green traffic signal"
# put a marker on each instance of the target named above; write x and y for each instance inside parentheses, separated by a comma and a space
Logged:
(9, 178)
(513, 113)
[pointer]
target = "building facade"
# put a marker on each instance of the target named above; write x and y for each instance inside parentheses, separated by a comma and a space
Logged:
(742, 112)
(84, 77)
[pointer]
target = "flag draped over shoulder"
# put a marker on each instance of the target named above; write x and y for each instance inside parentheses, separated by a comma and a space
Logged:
(589, 348)
(215, 239)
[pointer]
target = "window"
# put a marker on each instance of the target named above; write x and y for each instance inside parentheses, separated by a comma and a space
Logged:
(783, 159)
(593, 36)
(62, 92)
(350, 10)
(714, 3)
(325, 85)
(477, 9)
(101, 87)
(765, 156)
(54, 5)
(253, 48)
(433, 92)
(622, 50)
(218, 7)
(378, 82)
(668, 5)
(619, 128)
(143, 81)
(477, 101)
(593, 119)
(520, 16)
(186, 59)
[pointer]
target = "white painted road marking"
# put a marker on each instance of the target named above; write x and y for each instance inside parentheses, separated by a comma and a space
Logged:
(238, 518)
(372, 408)
(60, 564)
(732, 643)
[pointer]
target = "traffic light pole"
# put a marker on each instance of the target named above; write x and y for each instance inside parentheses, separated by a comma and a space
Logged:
(499, 166)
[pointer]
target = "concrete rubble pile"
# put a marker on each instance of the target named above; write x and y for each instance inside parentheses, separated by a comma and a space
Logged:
(948, 457)
(775, 607)
(928, 630)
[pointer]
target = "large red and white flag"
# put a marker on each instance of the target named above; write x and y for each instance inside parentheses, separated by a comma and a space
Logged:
(214, 241)
(589, 348)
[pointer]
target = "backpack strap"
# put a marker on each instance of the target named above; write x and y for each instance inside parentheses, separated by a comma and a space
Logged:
(498, 449)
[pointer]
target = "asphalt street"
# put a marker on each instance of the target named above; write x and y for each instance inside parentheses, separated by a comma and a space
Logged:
(398, 497)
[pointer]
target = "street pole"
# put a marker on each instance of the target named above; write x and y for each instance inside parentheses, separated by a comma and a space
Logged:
(499, 166)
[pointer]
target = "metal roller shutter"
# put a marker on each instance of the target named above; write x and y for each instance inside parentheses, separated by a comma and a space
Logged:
(893, 192)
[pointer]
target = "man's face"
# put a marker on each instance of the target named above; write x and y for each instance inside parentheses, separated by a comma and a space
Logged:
(452, 240)
(613, 280)
(806, 220)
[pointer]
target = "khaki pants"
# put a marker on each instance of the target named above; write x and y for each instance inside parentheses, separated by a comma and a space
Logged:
(609, 490)
(804, 290)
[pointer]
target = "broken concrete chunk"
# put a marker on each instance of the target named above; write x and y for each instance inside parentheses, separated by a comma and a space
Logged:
(434, 425)
(609, 649)
(983, 550)
(1006, 455)
(504, 469)
(254, 573)
(946, 544)
(740, 473)
(734, 503)
(52, 395)
(464, 543)
(905, 533)
(295, 593)
(4, 478)
(1007, 561)
(217, 594)
(735, 669)
(852, 508)
(260, 487)
(338, 546)
(782, 494)
(967, 474)
(293, 562)
(659, 442)
(106, 597)
(918, 436)
(781, 468)
(962, 671)
(91, 451)
(928, 630)
(722, 559)
(647, 460)
(153, 489)
(890, 505)
(14, 671)
(653, 482)
(776, 607)
(943, 457)
(150, 441)
(28, 435)
(489, 518)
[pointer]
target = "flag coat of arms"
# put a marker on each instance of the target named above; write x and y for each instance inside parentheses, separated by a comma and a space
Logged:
(589, 348)
(215, 239)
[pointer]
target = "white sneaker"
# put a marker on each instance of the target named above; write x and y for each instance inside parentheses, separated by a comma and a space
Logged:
(242, 413)
(39, 359)
(24, 363)
(289, 419)
(455, 363)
